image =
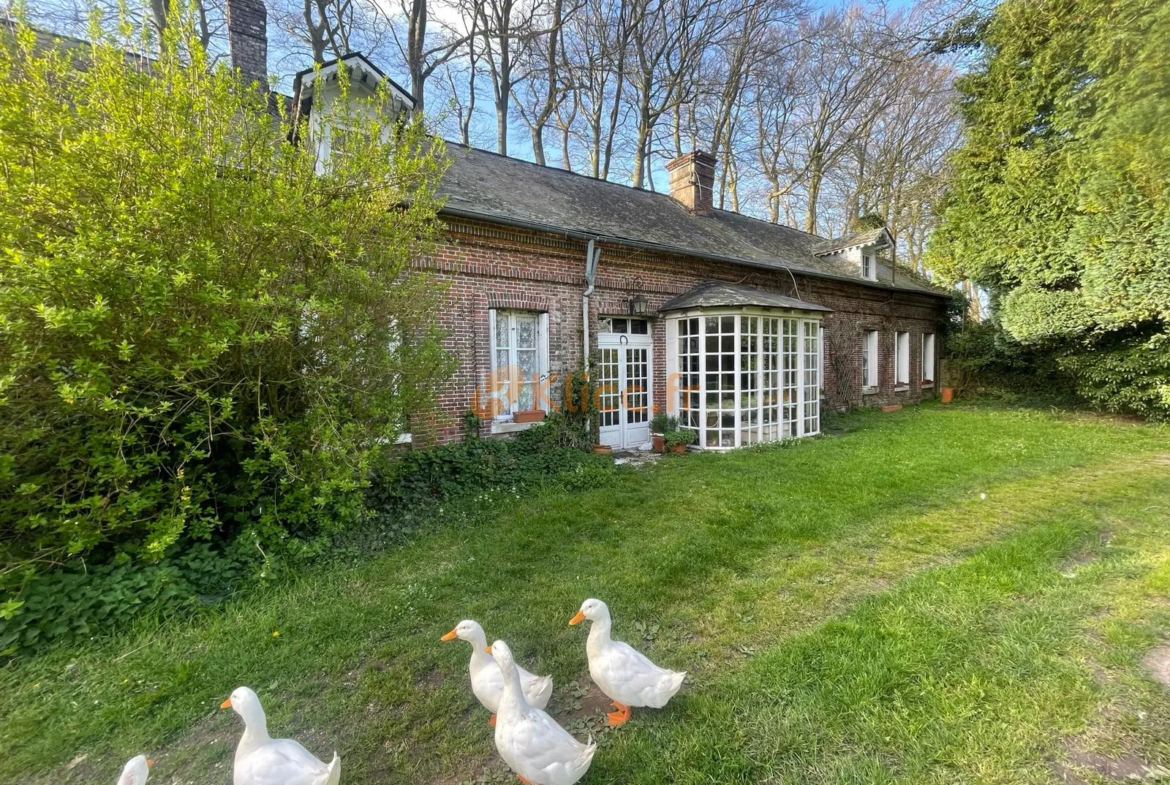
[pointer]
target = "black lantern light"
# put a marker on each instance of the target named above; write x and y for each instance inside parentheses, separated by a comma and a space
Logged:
(638, 305)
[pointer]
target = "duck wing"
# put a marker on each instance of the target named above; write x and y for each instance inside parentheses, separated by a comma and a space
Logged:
(548, 753)
(537, 689)
(284, 762)
(640, 681)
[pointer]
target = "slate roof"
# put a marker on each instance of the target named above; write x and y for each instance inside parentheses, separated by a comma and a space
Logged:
(868, 237)
(506, 190)
(721, 293)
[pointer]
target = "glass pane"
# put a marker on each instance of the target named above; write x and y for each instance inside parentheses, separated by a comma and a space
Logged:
(639, 327)
(526, 359)
(526, 332)
(620, 326)
(502, 331)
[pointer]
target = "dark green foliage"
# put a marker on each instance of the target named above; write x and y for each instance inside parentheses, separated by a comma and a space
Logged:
(1059, 203)
(543, 455)
(986, 357)
(680, 436)
(80, 601)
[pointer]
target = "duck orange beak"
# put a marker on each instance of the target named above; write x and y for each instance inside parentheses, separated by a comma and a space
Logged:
(580, 617)
(149, 762)
(227, 704)
(488, 649)
(449, 636)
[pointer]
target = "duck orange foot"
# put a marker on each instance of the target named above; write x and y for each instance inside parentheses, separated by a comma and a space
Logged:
(492, 721)
(524, 779)
(620, 715)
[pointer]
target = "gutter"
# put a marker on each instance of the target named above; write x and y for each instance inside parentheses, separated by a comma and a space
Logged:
(591, 238)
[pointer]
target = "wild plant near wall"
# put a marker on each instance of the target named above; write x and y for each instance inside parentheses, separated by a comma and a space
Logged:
(201, 335)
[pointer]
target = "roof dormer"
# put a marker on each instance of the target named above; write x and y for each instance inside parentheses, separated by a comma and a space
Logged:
(317, 90)
(859, 251)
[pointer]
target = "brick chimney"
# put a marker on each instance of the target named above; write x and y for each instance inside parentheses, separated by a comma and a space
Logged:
(247, 24)
(692, 181)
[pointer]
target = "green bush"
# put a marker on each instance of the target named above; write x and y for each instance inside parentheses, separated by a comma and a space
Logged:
(547, 454)
(201, 336)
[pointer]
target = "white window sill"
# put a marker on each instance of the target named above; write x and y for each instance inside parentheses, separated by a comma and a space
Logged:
(869, 390)
(905, 387)
(507, 426)
(927, 385)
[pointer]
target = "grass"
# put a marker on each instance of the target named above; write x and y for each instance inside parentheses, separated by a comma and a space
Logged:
(943, 594)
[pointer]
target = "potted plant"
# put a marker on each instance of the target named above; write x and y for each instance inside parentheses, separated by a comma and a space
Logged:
(602, 449)
(532, 415)
(660, 425)
(677, 440)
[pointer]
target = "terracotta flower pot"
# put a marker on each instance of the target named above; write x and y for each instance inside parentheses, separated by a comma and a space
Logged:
(659, 442)
(602, 449)
(533, 415)
(679, 448)
(948, 394)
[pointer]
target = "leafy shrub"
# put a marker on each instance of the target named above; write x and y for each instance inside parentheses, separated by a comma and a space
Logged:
(79, 600)
(682, 436)
(199, 333)
(987, 357)
(540, 455)
(663, 423)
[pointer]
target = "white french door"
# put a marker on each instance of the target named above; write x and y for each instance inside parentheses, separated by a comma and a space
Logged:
(625, 389)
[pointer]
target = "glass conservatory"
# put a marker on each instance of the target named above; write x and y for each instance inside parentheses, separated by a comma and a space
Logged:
(743, 365)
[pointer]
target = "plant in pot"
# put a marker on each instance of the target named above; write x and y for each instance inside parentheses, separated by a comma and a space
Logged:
(677, 440)
(660, 425)
(532, 415)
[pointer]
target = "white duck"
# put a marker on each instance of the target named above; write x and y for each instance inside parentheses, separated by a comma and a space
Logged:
(135, 772)
(263, 760)
(486, 681)
(533, 745)
(624, 674)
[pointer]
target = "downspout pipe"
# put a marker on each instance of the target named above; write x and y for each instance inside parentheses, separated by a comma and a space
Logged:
(592, 258)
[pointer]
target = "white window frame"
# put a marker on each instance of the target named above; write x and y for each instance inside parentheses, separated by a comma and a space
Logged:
(901, 360)
(805, 334)
(928, 360)
(494, 315)
(869, 265)
(870, 378)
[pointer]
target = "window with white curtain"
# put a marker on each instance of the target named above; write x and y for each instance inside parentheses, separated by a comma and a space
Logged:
(519, 360)
(901, 359)
(927, 359)
(869, 359)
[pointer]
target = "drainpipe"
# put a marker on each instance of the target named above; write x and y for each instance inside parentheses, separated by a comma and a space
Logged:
(592, 258)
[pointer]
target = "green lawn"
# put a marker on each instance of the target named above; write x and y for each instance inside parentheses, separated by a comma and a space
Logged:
(942, 594)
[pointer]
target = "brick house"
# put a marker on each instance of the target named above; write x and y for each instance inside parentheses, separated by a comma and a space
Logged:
(743, 329)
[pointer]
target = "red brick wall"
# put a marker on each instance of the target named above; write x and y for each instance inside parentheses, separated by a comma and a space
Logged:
(486, 266)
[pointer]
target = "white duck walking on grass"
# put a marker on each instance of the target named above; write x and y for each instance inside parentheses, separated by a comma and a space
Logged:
(486, 681)
(533, 745)
(623, 673)
(135, 772)
(263, 760)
